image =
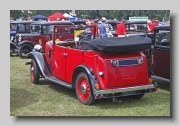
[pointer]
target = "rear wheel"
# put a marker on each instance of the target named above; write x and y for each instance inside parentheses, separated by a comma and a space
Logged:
(34, 74)
(83, 89)
(24, 50)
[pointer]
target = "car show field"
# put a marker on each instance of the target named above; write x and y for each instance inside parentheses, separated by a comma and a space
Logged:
(49, 99)
(94, 67)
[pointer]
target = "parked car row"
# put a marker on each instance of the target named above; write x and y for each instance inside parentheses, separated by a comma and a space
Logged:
(29, 33)
(96, 68)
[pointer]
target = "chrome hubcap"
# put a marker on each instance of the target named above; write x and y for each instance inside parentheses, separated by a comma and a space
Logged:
(83, 89)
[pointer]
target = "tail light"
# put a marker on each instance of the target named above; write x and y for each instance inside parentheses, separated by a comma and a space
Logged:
(150, 80)
(97, 86)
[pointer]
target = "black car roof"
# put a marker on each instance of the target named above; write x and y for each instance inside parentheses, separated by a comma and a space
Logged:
(53, 23)
(78, 21)
(12, 21)
(135, 22)
(22, 22)
(111, 21)
(161, 27)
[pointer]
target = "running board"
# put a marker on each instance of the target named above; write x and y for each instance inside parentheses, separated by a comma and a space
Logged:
(49, 76)
(59, 82)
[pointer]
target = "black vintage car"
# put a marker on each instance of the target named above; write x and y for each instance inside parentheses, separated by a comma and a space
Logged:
(79, 22)
(138, 28)
(13, 29)
(21, 27)
(160, 60)
(41, 32)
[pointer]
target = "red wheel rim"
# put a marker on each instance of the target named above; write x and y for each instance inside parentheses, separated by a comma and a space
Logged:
(83, 89)
(32, 71)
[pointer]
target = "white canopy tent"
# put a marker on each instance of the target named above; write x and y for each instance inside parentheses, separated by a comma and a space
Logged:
(67, 15)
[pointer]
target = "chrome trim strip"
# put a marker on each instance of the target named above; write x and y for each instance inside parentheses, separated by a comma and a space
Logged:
(160, 78)
(119, 90)
(117, 62)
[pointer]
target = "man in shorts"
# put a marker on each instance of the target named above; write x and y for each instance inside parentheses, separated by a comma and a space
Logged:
(103, 28)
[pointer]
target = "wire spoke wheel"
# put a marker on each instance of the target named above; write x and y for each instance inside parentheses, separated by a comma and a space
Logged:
(83, 89)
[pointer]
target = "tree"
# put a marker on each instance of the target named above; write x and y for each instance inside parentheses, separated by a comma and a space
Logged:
(92, 14)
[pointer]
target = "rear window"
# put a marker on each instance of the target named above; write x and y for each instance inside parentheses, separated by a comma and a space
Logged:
(163, 38)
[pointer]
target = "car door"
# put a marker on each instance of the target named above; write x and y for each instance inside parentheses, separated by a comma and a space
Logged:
(57, 55)
(161, 56)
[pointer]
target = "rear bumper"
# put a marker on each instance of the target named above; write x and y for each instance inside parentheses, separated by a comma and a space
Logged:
(151, 87)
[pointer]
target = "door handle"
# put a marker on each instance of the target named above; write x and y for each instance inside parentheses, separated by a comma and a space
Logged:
(64, 54)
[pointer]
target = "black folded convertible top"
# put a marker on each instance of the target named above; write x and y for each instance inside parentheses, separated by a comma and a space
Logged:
(118, 44)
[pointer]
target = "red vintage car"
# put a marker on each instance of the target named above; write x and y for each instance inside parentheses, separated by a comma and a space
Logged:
(98, 68)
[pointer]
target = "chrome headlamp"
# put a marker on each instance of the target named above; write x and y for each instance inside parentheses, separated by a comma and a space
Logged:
(37, 48)
(77, 39)
(20, 38)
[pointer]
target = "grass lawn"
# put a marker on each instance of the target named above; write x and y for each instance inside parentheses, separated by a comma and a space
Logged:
(49, 99)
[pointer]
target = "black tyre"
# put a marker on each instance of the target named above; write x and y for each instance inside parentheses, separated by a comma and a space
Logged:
(34, 74)
(24, 50)
(13, 53)
(83, 89)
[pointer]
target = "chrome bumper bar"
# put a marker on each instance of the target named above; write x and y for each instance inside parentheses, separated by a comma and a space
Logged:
(119, 90)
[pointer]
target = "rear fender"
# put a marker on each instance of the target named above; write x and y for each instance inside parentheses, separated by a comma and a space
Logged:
(39, 60)
(91, 76)
(25, 42)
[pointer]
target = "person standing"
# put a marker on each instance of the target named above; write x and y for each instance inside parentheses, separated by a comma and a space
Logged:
(22, 18)
(94, 23)
(150, 26)
(103, 28)
(163, 22)
(121, 29)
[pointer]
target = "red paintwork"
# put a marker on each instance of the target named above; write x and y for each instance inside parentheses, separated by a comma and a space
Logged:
(35, 39)
(32, 71)
(123, 76)
(64, 61)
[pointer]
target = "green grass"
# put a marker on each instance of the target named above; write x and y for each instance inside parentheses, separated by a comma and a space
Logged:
(49, 99)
